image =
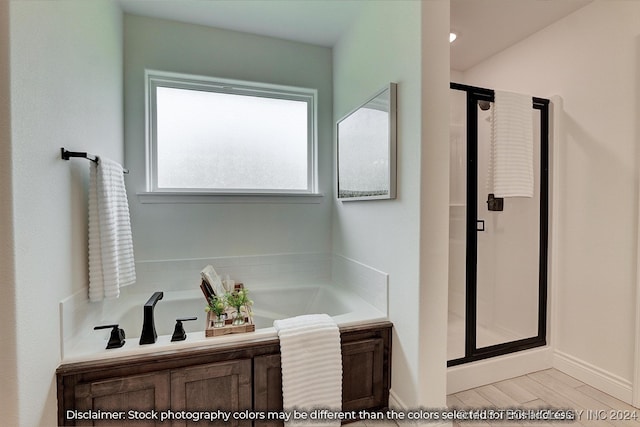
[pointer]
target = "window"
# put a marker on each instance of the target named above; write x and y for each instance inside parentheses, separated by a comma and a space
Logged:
(208, 135)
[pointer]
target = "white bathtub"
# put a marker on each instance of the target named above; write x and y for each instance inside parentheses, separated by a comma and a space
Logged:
(270, 304)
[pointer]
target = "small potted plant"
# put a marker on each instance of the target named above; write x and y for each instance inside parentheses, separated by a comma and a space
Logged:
(237, 299)
(218, 306)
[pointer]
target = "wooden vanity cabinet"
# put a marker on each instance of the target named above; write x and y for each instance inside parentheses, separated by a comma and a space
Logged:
(366, 373)
(267, 387)
(142, 393)
(228, 384)
(231, 377)
(363, 382)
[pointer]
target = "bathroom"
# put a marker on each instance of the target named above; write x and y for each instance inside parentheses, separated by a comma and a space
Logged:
(76, 58)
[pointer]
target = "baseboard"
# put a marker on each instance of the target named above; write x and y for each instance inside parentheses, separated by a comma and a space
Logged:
(398, 405)
(395, 402)
(596, 377)
(476, 374)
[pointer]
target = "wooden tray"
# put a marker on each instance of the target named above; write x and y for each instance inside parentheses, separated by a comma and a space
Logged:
(228, 328)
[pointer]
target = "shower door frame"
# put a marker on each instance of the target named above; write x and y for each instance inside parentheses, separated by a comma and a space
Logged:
(472, 353)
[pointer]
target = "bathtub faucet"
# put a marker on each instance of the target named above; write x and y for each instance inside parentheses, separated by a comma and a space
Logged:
(149, 335)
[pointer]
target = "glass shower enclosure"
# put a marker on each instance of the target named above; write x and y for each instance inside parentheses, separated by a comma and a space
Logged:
(498, 247)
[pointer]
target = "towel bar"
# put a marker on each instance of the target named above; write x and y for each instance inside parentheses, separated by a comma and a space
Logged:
(67, 155)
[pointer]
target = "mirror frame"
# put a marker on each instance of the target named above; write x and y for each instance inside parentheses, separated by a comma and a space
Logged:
(390, 177)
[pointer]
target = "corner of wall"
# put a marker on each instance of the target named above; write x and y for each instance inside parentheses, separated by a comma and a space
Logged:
(434, 203)
(8, 354)
(554, 253)
(370, 284)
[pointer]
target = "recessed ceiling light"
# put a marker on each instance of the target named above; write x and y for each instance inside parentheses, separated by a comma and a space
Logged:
(452, 37)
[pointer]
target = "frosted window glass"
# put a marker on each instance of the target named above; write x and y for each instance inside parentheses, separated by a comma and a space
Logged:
(213, 135)
(220, 141)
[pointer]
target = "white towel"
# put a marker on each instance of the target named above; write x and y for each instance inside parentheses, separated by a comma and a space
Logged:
(511, 153)
(311, 360)
(111, 263)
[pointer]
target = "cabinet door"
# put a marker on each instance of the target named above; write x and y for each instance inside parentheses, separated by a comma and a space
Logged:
(267, 387)
(362, 374)
(222, 386)
(143, 393)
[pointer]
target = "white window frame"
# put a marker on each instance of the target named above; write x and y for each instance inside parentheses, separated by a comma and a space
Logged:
(155, 79)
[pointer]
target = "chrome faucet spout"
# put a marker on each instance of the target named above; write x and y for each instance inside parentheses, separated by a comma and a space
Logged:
(149, 335)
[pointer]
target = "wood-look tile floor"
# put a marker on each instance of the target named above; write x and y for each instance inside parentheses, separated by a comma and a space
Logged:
(547, 389)
(539, 390)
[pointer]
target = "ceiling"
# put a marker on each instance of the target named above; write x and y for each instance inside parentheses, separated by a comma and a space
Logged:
(319, 22)
(484, 27)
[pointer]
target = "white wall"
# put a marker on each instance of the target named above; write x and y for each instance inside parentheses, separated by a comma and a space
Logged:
(434, 203)
(384, 234)
(170, 231)
(66, 90)
(591, 59)
(384, 45)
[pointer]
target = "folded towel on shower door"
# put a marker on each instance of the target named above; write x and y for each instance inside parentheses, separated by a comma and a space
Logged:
(511, 153)
(111, 262)
(311, 359)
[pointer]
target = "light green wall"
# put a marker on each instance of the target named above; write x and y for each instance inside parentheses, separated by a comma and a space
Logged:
(385, 44)
(169, 231)
(66, 90)
(8, 352)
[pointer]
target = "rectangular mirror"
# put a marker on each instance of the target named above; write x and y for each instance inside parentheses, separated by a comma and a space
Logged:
(367, 149)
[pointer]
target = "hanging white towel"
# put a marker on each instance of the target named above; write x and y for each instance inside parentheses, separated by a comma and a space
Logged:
(511, 153)
(111, 262)
(311, 359)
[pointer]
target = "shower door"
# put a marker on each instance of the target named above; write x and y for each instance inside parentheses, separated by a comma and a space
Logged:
(498, 247)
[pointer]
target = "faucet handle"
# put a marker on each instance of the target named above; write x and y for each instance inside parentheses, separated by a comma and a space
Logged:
(178, 333)
(116, 340)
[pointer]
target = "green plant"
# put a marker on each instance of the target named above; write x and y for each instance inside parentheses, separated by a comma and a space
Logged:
(239, 298)
(217, 305)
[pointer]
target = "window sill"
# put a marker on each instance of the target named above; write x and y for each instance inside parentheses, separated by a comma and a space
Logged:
(203, 198)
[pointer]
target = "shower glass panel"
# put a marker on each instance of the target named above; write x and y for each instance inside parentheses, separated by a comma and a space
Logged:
(498, 255)
(508, 244)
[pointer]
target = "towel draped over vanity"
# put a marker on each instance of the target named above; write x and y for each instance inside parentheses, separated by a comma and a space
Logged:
(311, 361)
(111, 262)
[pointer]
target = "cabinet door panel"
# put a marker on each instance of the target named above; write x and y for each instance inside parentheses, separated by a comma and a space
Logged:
(362, 374)
(143, 393)
(223, 386)
(267, 387)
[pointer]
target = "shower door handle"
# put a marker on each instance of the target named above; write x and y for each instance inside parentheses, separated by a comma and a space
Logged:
(480, 225)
